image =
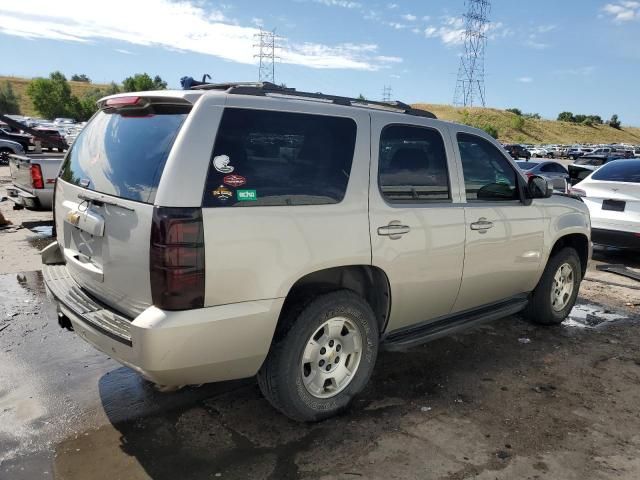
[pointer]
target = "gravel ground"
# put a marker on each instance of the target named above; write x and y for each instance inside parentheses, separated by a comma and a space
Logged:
(507, 400)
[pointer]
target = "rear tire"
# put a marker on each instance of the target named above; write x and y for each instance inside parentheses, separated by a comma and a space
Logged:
(304, 376)
(557, 291)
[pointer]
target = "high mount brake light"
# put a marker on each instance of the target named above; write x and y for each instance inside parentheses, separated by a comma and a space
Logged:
(122, 101)
(176, 258)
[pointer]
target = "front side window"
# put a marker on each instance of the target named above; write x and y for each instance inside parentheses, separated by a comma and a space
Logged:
(412, 165)
(488, 176)
(267, 158)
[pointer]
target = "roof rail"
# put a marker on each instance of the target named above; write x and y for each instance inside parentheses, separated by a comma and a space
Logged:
(271, 89)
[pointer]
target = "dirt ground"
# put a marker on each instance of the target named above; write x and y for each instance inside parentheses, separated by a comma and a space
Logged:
(509, 400)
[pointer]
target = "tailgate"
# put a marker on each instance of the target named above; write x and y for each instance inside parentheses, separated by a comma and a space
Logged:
(20, 169)
(104, 200)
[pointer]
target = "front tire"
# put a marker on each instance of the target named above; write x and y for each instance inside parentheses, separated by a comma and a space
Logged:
(557, 291)
(324, 359)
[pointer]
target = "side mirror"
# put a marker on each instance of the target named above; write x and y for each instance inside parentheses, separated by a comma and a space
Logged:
(539, 187)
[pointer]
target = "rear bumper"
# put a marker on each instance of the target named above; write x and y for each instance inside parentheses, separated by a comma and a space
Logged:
(40, 199)
(172, 348)
(615, 238)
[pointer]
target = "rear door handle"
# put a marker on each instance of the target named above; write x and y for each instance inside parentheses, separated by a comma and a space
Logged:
(394, 230)
(482, 225)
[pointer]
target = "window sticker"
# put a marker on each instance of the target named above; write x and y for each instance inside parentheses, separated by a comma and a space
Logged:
(246, 195)
(221, 164)
(234, 180)
(222, 193)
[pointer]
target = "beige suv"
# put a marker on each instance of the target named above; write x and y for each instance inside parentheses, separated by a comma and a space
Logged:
(241, 229)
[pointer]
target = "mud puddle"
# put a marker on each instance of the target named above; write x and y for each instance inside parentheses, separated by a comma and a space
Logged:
(591, 316)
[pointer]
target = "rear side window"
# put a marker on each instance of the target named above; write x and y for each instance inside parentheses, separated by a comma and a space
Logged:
(123, 155)
(412, 165)
(619, 171)
(265, 158)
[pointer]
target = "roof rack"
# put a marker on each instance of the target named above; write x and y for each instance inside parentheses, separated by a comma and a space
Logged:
(264, 89)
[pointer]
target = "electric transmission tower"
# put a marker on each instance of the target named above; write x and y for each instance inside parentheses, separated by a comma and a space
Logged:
(386, 93)
(470, 88)
(267, 55)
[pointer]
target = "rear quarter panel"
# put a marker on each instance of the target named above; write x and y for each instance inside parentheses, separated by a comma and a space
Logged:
(255, 253)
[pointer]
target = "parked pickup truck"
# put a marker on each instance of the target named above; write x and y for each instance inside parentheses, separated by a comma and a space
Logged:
(32, 181)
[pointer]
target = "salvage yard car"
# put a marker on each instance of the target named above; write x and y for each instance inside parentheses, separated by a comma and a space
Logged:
(263, 230)
(32, 181)
(612, 194)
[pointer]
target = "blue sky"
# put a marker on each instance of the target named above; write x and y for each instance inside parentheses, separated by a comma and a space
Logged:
(545, 56)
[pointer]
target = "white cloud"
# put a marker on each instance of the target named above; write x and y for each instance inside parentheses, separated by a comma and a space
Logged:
(124, 52)
(392, 6)
(183, 26)
(624, 11)
(258, 22)
(582, 71)
(339, 3)
(450, 31)
(525, 79)
(409, 17)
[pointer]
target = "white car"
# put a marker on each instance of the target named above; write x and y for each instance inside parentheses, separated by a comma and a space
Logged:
(612, 194)
(538, 152)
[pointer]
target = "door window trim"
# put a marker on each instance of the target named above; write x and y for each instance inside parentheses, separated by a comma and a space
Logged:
(424, 203)
(520, 182)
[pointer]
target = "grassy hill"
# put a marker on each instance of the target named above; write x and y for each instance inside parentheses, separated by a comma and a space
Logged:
(20, 88)
(533, 131)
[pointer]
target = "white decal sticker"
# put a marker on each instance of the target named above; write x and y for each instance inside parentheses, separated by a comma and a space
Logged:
(221, 164)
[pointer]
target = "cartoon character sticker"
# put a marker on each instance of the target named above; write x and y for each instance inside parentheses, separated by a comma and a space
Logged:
(221, 164)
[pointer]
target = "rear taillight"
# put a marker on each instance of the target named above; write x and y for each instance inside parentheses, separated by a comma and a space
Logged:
(36, 176)
(177, 258)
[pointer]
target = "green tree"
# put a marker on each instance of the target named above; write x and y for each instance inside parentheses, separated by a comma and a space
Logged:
(517, 123)
(51, 96)
(566, 117)
(141, 82)
(532, 116)
(9, 101)
(491, 130)
(615, 122)
(361, 97)
(515, 111)
(80, 78)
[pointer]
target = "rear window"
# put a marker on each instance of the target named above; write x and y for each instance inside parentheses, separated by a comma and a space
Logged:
(123, 155)
(619, 171)
(278, 158)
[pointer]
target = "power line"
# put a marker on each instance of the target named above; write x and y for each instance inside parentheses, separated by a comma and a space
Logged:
(470, 87)
(386, 93)
(267, 55)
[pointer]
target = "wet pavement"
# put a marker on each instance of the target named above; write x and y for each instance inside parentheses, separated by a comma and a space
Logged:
(508, 400)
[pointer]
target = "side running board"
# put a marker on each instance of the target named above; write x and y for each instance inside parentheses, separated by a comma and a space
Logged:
(425, 332)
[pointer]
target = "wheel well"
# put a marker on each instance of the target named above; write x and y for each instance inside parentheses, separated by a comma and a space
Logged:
(371, 283)
(577, 241)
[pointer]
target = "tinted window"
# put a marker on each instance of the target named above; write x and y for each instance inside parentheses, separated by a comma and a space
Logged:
(122, 155)
(278, 158)
(553, 168)
(488, 176)
(412, 165)
(526, 165)
(590, 161)
(619, 171)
